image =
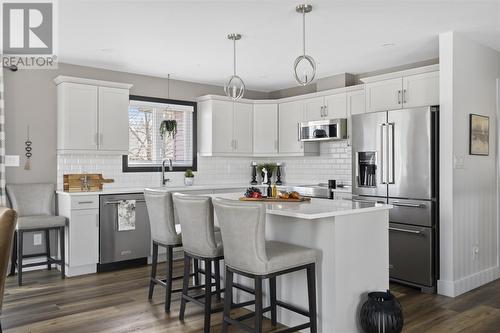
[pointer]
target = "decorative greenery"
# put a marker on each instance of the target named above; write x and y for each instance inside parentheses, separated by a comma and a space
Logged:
(189, 173)
(270, 167)
(168, 127)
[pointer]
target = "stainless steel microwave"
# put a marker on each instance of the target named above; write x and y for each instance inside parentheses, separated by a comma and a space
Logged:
(322, 130)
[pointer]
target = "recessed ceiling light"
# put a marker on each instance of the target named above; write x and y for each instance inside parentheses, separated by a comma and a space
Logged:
(388, 44)
(106, 50)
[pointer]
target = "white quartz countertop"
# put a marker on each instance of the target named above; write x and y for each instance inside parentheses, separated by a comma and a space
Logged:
(314, 209)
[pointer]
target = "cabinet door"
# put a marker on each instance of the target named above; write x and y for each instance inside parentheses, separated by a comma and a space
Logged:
(421, 90)
(355, 105)
(113, 119)
(265, 129)
(77, 116)
(384, 95)
(83, 237)
(336, 106)
(222, 127)
(290, 115)
(314, 108)
(243, 128)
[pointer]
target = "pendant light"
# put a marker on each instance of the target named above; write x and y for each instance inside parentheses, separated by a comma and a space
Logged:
(304, 67)
(234, 87)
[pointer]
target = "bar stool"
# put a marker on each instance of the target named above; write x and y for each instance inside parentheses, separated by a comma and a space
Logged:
(200, 241)
(34, 204)
(247, 253)
(165, 233)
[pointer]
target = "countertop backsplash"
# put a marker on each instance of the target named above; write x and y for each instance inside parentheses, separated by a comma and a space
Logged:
(334, 162)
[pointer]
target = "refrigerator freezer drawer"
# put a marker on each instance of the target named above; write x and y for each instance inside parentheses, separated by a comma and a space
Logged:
(410, 254)
(415, 212)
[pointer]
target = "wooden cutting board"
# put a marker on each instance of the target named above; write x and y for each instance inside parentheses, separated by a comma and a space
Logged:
(74, 182)
(275, 199)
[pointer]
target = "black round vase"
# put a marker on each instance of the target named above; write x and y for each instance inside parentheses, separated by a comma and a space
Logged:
(381, 313)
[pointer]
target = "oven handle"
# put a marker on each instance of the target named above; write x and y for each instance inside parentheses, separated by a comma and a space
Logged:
(117, 202)
(416, 232)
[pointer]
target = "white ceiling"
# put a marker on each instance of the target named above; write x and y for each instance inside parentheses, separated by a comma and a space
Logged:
(188, 38)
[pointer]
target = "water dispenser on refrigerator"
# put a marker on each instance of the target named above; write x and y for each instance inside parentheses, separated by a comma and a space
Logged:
(367, 169)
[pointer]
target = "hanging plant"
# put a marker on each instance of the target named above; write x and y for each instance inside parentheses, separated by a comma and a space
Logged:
(168, 127)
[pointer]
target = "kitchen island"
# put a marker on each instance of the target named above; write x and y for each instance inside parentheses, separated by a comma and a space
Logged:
(353, 247)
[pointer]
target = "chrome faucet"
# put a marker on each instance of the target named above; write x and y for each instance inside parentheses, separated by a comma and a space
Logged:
(170, 168)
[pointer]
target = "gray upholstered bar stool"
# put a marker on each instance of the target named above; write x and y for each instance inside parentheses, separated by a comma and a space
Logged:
(34, 205)
(165, 233)
(248, 253)
(200, 241)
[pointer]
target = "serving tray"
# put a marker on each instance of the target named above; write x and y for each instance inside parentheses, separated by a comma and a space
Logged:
(275, 199)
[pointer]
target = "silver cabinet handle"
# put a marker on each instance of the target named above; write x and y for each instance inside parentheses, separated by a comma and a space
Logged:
(119, 201)
(326, 110)
(404, 96)
(298, 132)
(322, 111)
(399, 96)
(84, 202)
(416, 232)
(396, 203)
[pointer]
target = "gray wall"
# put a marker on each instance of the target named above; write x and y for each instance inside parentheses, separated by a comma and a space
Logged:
(30, 99)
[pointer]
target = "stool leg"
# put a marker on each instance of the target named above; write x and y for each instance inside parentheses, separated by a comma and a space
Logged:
(13, 260)
(62, 250)
(217, 279)
(47, 249)
(168, 281)
(228, 299)
(311, 291)
(154, 265)
(258, 304)
(185, 285)
(20, 258)
(196, 272)
(208, 295)
(272, 293)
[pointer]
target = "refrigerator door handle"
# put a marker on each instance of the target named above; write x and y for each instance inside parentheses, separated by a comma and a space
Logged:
(405, 230)
(390, 154)
(396, 203)
(383, 153)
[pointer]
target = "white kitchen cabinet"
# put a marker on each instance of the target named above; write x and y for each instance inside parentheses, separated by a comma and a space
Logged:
(421, 90)
(225, 128)
(265, 129)
(290, 115)
(355, 101)
(92, 115)
(82, 232)
(314, 108)
(113, 119)
(335, 106)
(384, 95)
(77, 116)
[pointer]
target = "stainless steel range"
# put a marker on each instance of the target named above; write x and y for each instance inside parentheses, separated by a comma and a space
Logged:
(395, 161)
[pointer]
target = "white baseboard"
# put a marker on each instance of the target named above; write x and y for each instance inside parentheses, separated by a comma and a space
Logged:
(468, 283)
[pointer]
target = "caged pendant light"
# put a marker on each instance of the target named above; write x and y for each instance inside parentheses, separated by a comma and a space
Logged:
(304, 67)
(234, 87)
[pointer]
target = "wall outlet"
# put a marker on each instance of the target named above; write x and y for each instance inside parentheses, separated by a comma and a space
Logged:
(37, 239)
(459, 162)
(11, 160)
(475, 253)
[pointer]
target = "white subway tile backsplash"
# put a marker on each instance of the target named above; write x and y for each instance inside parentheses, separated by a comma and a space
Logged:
(334, 162)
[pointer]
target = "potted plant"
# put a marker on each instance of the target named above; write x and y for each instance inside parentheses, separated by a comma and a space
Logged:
(270, 167)
(188, 177)
(168, 127)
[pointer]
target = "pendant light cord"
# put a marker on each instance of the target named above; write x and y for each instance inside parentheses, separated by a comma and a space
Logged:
(234, 56)
(304, 33)
(168, 86)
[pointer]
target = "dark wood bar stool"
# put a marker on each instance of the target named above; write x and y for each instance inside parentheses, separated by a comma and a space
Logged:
(34, 204)
(165, 234)
(200, 241)
(247, 253)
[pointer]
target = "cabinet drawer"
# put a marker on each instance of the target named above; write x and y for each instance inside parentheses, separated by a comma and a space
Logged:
(416, 212)
(84, 201)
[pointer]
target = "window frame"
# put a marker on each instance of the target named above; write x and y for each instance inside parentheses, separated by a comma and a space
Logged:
(128, 168)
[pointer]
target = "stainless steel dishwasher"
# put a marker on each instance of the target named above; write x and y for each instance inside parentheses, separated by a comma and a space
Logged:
(121, 249)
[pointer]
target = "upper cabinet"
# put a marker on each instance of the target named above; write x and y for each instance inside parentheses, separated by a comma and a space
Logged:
(407, 89)
(225, 128)
(325, 107)
(265, 129)
(290, 115)
(92, 115)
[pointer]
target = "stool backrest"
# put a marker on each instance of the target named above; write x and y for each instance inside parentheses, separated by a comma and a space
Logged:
(8, 218)
(31, 199)
(243, 233)
(161, 216)
(196, 216)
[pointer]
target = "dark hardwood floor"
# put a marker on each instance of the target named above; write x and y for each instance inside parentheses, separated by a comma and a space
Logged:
(117, 302)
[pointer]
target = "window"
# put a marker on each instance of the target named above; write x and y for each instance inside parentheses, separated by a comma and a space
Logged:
(148, 147)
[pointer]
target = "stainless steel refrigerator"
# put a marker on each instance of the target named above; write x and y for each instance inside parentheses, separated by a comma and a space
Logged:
(395, 160)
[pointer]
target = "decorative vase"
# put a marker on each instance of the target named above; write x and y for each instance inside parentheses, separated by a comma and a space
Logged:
(188, 181)
(381, 313)
(269, 176)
